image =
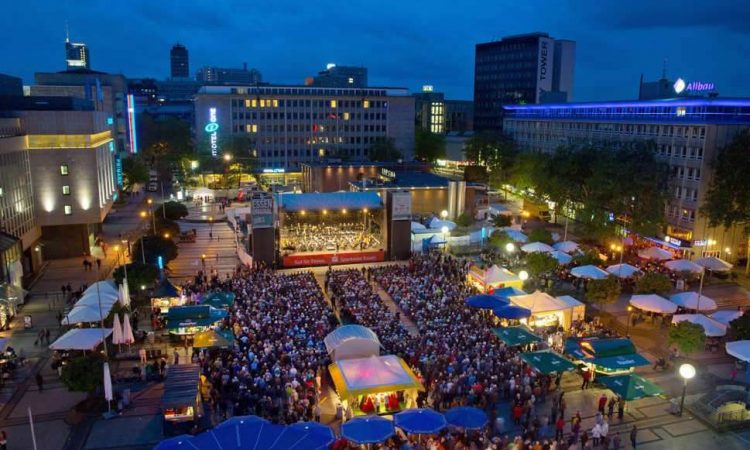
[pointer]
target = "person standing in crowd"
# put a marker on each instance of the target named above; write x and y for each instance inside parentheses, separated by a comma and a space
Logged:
(634, 436)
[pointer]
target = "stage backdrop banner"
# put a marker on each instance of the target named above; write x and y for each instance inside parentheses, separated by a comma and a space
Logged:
(401, 205)
(324, 259)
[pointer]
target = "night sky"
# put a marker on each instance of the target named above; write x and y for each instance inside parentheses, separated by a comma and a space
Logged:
(403, 43)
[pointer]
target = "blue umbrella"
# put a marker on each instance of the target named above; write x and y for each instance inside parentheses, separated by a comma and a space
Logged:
(420, 421)
(241, 420)
(181, 442)
(484, 301)
(511, 312)
(466, 417)
(317, 431)
(508, 291)
(367, 430)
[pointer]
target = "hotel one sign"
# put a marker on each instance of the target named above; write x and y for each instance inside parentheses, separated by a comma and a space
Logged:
(212, 128)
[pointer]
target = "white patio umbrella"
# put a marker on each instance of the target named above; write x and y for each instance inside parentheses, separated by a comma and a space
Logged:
(683, 265)
(439, 224)
(739, 349)
(417, 226)
(536, 247)
(516, 235)
(127, 330)
(116, 330)
(714, 264)
(653, 303)
(726, 315)
(589, 272)
(561, 257)
(711, 327)
(691, 300)
(566, 246)
(624, 270)
(124, 294)
(656, 253)
(108, 394)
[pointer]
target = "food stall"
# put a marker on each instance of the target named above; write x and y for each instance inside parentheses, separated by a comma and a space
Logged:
(181, 402)
(188, 320)
(607, 356)
(549, 311)
(491, 278)
(375, 385)
(166, 296)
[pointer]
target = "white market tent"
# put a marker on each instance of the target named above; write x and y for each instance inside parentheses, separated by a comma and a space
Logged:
(714, 264)
(562, 257)
(537, 247)
(656, 253)
(624, 270)
(516, 235)
(683, 265)
(81, 339)
(726, 315)
(415, 226)
(499, 275)
(352, 341)
(653, 303)
(589, 272)
(566, 246)
(691, 300)
(438, 224)
(543, 305)
(710, 326)
(86, 314)
(739, 349)
(578, 308)
(107, 286)
(93, 300)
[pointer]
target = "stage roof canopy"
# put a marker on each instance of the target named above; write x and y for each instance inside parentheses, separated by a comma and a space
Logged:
(332, 201)
(372, 375)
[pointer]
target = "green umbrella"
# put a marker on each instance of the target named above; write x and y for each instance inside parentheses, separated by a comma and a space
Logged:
(518, 335)
(630, 386)
(547, 362)
(219, 299)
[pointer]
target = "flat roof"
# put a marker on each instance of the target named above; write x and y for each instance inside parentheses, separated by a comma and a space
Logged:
(685, 101)
(319, 201)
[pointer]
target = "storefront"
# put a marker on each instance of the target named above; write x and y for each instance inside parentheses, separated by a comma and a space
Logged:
(10, 297)
(166, 296)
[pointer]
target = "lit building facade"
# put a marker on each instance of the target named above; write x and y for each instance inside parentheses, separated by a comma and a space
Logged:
(438, 115)
(290, 125)
(529, 68)
(228, 76)
(77, 55)
(687, 134)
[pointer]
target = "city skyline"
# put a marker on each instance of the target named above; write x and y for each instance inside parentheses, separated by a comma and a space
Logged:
(414, 45)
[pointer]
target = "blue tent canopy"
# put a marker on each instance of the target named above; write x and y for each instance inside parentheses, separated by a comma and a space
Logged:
(319, 201)
(511, 312)
(484, 301)
(367, 429)
(508, 291)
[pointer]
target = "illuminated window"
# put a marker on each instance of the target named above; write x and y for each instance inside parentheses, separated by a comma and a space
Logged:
(351, 80)
(254, 103)
(68, 210)
(262, 103)
(64, 169)
(251, 128)
(346, 116)
(333, 103)
(247, 103)
(321, 152)
(681, 111)
(275, 103)
(66, 190)
(366, 104)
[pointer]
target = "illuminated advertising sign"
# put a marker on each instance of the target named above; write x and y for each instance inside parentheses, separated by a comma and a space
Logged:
(261, 211)
(131, 125)
(273, 170)
(401, 206)
(118, 170)
(325, 259)
(681, 86)
(212, 128)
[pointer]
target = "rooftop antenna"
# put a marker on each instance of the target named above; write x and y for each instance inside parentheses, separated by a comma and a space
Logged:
(67, 32)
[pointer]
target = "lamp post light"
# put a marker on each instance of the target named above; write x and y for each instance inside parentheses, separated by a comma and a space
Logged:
(627, 328)
(687, 372)
(523, 275)
(444, 214)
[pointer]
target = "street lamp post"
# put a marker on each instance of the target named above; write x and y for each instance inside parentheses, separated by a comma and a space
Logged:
(627, 328)
(445, 231)
(510, 248)
(153, 216)
(687, 372)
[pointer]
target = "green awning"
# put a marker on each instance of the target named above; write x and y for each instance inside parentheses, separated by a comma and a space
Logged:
(547, 362)
(213, 339)
(631, 386)
(192, 316)
(219, 299)
(518, 335)
(620, 362)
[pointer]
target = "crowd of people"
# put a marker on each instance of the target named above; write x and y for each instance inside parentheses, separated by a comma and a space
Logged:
(274, 369)
(311, 237)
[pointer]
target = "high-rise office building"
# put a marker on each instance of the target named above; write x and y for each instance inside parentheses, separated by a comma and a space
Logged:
(290, 125)
(340, 76)
(438, 115)
(688, 134)
(529, 68)
(76, 54)
(179, 63)
(219, 76)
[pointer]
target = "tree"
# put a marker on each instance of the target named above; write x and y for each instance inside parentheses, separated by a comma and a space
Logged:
(653, 283)
(689, 337)
(163, 138)
(589, 257)
(166, 226)
(134, 172)
(496, 152)
(428, 146)
(500, 221)
(83, 373)
(603, 291)
(500, 239)
(139, 274)
(172, 210)
(739, 328)
(384, 149)
(540, 235)
(155, 246)
(464, 220)
(728, 199)
(538, 263)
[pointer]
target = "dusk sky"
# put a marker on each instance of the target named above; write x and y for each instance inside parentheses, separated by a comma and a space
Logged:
(403, 43)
